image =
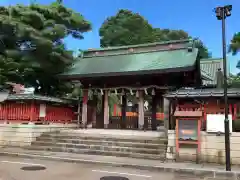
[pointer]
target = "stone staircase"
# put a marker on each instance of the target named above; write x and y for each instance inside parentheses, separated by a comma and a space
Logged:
(120, 146)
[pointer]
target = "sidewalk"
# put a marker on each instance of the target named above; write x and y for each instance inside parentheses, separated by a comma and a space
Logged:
(176, 167)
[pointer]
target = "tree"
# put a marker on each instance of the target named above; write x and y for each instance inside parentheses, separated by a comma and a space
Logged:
(235, 44)
(31, 44)
(128, 28)
(234, 47)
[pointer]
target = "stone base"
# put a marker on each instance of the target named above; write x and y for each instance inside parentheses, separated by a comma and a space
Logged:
(105, 126)
(84, 126)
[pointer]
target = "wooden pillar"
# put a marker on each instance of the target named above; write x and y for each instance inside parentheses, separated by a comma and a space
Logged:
(171, 115)
(106, 110)
(94, 112)
(154, 112)
(101, 119)
(141, 110)
(166, 104)
(124, 106)
(84, 108)
(78, 113)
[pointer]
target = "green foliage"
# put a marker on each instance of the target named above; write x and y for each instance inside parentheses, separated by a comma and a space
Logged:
(235, 44)
(234, 81)
(234, 47)
(128, 28)
(31, 43)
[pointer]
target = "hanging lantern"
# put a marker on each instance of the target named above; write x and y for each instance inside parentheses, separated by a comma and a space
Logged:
(123, 91)
(95, 92)
(120, 99)
(153, 92)
(145, 90)
(137, 94)
(131, 92)
(109, 93)
(89, 92)
(116, 92)
(101, 92)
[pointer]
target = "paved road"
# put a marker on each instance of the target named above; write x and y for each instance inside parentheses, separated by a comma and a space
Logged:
(10, 169)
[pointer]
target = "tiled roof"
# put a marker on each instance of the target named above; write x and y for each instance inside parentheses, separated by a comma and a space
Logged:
(211, 66)
(140, 45)
(139, 63)
(36, 97)
(135, 59)
(212, 92)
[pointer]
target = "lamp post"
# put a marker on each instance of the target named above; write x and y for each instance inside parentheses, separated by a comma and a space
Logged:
(222, 13)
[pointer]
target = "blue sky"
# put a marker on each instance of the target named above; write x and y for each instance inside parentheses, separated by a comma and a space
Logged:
(194, 16)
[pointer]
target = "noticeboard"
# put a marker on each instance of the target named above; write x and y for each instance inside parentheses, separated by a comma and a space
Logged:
(188, 130)
(215, 123)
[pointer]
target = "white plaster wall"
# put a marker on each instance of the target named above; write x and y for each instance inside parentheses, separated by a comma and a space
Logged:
(24, 134)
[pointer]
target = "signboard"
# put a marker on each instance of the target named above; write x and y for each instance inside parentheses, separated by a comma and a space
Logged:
(188, 130)
(215, 123)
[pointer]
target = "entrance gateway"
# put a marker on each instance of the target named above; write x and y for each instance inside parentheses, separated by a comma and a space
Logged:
(146, 70)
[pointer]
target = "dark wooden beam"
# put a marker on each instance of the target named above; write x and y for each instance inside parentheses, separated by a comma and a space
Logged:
(124, 106)
(173, 79)
(154, 111)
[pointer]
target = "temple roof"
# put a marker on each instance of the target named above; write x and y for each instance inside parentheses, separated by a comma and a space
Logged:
(211, 66)
(203, 93)
(171, 56)
(13, 97)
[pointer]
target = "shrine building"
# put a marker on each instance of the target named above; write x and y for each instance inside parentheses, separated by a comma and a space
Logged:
(145, 70)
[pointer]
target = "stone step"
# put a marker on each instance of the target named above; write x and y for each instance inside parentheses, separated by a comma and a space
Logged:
(106, 147)
(98, 152)
(75, 136)
(102, 142)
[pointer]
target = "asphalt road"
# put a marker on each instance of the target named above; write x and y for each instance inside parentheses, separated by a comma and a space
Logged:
(10, 169)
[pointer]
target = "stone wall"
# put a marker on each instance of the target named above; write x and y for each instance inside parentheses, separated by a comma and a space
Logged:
(212, 148)
(24, 134)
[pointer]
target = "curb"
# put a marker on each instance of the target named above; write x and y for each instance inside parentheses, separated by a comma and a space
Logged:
(176, 170)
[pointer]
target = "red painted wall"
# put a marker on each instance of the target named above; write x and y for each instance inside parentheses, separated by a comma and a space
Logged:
(28, 111)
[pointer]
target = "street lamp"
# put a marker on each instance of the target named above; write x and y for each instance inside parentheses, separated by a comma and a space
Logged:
(222, 13)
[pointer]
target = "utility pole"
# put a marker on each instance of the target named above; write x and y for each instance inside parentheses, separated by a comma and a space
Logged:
(222, 13)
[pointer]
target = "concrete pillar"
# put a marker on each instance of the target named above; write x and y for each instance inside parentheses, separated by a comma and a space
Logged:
(141, 110)
(84, 108)
(166, 108)
(106, 110)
